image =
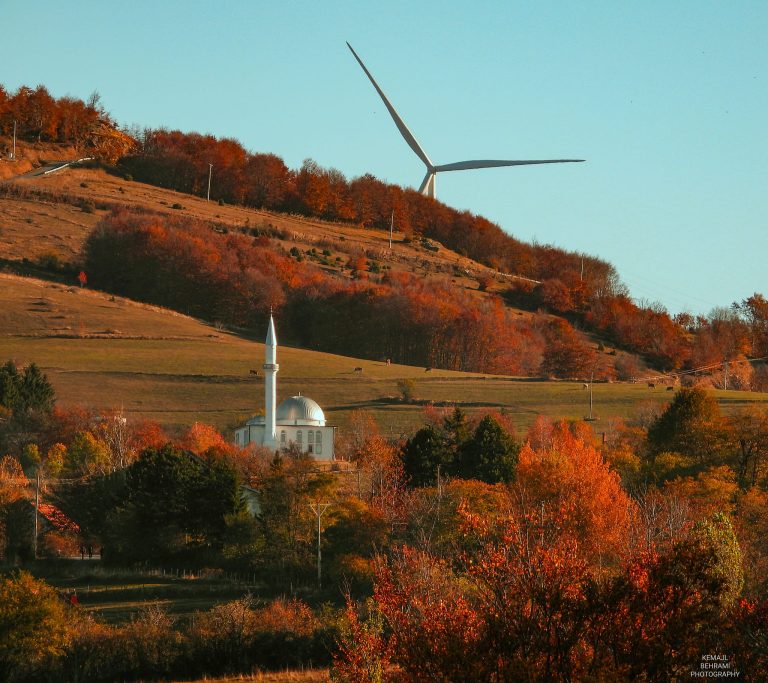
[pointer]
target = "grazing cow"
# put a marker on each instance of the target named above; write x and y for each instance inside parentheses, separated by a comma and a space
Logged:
(358, 369)
(651, 385)
(670, 388)
(427, 369)
(585, 386)
(255, 372)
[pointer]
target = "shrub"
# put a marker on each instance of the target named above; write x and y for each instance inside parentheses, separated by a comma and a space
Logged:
(484, 281)
(176, 205)
(407, 389)
(49, 260)
(237, 637)
(33, 627)
(87, 206)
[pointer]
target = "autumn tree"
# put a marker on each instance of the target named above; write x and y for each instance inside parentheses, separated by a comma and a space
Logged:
(751, 522)
(565, 354)
(33, 627)
(748, 432)
(287, 523)
(569, 474)
(690, 425)
(754, 310)
(357, 532)
(523, 603)
(15, 492)
(668, 608)
(87, 455)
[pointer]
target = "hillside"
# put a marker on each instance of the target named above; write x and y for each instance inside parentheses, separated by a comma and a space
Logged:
(161, 365)
(29, 238)
(51, 216)
(316, 213)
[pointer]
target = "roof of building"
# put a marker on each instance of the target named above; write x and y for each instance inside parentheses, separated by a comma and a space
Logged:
(300, 410)
(57, 519)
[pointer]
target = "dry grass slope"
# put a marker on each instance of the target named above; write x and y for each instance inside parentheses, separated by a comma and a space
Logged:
(107, 351)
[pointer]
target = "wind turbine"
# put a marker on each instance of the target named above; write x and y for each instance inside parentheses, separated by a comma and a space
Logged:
(428, 184)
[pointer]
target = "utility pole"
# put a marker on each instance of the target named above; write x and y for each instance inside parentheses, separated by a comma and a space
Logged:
(319, 509)
(13, 154)
(725, 377)
(37, 509)
(391, 227)
(591, 380)
(210, 172)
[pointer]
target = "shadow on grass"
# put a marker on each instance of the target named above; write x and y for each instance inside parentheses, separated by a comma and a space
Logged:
(393, 401)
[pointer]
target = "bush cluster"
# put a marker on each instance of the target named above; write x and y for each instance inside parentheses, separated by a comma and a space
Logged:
(238, 637)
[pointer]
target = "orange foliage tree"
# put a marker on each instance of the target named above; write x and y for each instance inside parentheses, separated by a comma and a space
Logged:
(521, 603)
(567, 473)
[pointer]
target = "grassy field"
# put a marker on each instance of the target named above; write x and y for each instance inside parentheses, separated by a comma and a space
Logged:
(116, 598)
(104, 351)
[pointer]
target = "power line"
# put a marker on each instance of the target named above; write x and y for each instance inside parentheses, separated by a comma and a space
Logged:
(711, 366)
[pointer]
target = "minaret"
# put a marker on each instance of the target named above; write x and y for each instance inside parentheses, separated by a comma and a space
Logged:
(270, 387)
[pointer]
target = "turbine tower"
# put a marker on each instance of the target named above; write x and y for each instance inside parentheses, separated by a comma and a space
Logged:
(428, 184)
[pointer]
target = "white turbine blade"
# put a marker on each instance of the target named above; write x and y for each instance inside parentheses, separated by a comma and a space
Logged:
(494, 163)
(395, 116)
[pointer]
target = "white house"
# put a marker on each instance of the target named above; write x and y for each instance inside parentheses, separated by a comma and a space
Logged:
(297, 420)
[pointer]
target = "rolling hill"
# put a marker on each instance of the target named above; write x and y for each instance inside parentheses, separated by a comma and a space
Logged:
(104, 351)
(46, 219)
(108, 351)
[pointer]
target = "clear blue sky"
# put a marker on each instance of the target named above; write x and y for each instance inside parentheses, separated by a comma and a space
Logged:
(667, 101)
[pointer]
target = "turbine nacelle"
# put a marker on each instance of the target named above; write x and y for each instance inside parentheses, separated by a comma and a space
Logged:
(428, 184)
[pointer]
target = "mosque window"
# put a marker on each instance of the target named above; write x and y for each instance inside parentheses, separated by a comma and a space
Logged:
(310, 436)
(299, 437)
(318, 442)
(282, 437)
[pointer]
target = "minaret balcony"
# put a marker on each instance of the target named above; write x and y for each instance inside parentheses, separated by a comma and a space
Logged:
(271, 366)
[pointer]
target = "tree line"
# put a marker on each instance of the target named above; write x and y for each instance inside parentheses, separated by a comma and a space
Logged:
(237, 279)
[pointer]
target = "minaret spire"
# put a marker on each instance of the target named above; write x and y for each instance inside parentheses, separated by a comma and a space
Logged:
(270, 386)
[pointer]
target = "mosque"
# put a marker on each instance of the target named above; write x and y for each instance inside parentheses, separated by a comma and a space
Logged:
(298, 420)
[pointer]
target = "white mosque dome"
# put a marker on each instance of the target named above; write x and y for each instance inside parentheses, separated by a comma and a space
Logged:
(300, 410)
